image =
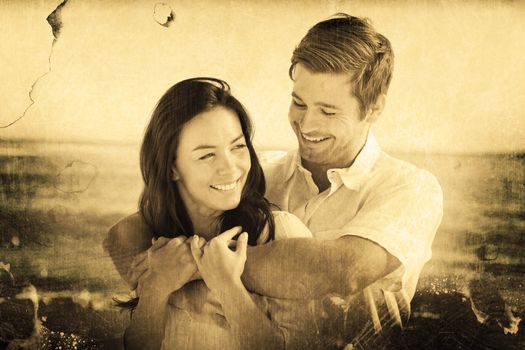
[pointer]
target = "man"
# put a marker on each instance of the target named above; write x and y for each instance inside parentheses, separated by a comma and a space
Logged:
(377, 214)
(373, 217)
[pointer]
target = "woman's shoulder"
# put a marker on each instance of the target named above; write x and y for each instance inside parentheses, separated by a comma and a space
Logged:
(288, 225)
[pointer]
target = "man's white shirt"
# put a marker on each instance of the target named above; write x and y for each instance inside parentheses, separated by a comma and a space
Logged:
(380, 198)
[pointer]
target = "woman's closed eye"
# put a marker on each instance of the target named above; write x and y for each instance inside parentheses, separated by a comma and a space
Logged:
(207, 156)
(239, 146)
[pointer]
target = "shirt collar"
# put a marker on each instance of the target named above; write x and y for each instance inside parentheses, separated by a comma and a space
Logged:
(294, 164)
(353, 176)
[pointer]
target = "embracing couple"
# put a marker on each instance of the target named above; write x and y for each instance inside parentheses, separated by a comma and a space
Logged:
(229, 253)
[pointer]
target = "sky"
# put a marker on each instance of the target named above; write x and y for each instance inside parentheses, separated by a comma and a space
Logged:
(458, 85)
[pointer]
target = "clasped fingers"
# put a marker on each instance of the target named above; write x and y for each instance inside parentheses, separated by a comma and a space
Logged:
(172, 265)
(217, 263)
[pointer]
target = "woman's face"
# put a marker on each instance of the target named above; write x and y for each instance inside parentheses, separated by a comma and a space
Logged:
(212, 163)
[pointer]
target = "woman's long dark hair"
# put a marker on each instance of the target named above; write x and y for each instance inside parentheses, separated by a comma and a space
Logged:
(161, 203)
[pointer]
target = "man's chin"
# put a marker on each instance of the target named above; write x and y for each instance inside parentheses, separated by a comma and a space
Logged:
(313, 154)
(312, 157)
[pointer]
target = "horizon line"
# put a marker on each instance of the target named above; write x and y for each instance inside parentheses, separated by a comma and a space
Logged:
(3, 140)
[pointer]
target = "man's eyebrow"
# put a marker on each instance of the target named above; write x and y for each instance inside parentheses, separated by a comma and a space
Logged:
(201, 147)
(326, 105)
(321, 104)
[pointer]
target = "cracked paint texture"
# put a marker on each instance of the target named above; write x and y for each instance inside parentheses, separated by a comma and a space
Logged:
(83, 77)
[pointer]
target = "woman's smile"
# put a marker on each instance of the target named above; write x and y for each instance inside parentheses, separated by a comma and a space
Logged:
(224, 187)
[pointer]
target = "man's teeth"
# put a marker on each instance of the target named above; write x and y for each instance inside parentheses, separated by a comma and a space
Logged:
(225, 187)
(314, 139)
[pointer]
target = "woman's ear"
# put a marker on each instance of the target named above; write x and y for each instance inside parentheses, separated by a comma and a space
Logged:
(174, 174)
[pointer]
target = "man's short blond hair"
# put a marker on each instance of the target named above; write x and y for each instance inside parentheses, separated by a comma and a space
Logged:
(348, 44)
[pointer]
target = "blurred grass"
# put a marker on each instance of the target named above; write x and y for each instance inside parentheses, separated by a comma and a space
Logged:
(57, 202)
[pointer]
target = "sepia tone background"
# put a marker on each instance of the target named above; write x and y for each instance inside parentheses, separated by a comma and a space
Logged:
(76, 96)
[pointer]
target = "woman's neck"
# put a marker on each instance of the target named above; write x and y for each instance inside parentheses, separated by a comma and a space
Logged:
(205, 223)
(205, 220)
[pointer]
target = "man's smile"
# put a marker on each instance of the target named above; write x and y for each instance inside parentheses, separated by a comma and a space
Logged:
(316, 139)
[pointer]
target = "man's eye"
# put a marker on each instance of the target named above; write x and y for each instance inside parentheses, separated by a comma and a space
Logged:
(325, 112)
(298, 105)
(207, 156)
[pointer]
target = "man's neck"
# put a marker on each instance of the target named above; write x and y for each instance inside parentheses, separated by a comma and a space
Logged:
(319, 171)
(319, 175)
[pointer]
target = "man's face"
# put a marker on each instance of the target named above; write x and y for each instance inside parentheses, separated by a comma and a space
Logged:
(326, 118)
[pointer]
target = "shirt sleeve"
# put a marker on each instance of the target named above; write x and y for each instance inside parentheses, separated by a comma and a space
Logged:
(289, 226)
(402, 219)
(124, 241)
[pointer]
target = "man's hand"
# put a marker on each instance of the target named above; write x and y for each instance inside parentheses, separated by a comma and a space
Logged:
(169, 263)
(139, 265)
(219, 266)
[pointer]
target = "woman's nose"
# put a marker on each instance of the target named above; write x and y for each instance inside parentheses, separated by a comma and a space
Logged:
(227, 163)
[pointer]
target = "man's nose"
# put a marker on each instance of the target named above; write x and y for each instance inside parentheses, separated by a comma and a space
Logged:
(309, 121)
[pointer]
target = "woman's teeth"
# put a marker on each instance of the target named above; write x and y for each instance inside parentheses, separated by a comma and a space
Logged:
(225, 187)
(314, 139)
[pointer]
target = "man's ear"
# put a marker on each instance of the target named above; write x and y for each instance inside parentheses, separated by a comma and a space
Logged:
(174, 173)
(376, 109)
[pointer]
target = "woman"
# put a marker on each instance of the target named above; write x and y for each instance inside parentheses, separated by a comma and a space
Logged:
(201, 176)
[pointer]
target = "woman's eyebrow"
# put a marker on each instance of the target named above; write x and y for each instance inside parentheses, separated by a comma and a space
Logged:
(237, 138)
(201, 147)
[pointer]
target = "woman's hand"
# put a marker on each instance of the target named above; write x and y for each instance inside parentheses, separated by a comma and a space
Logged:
(170, 264)
(220, 267)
